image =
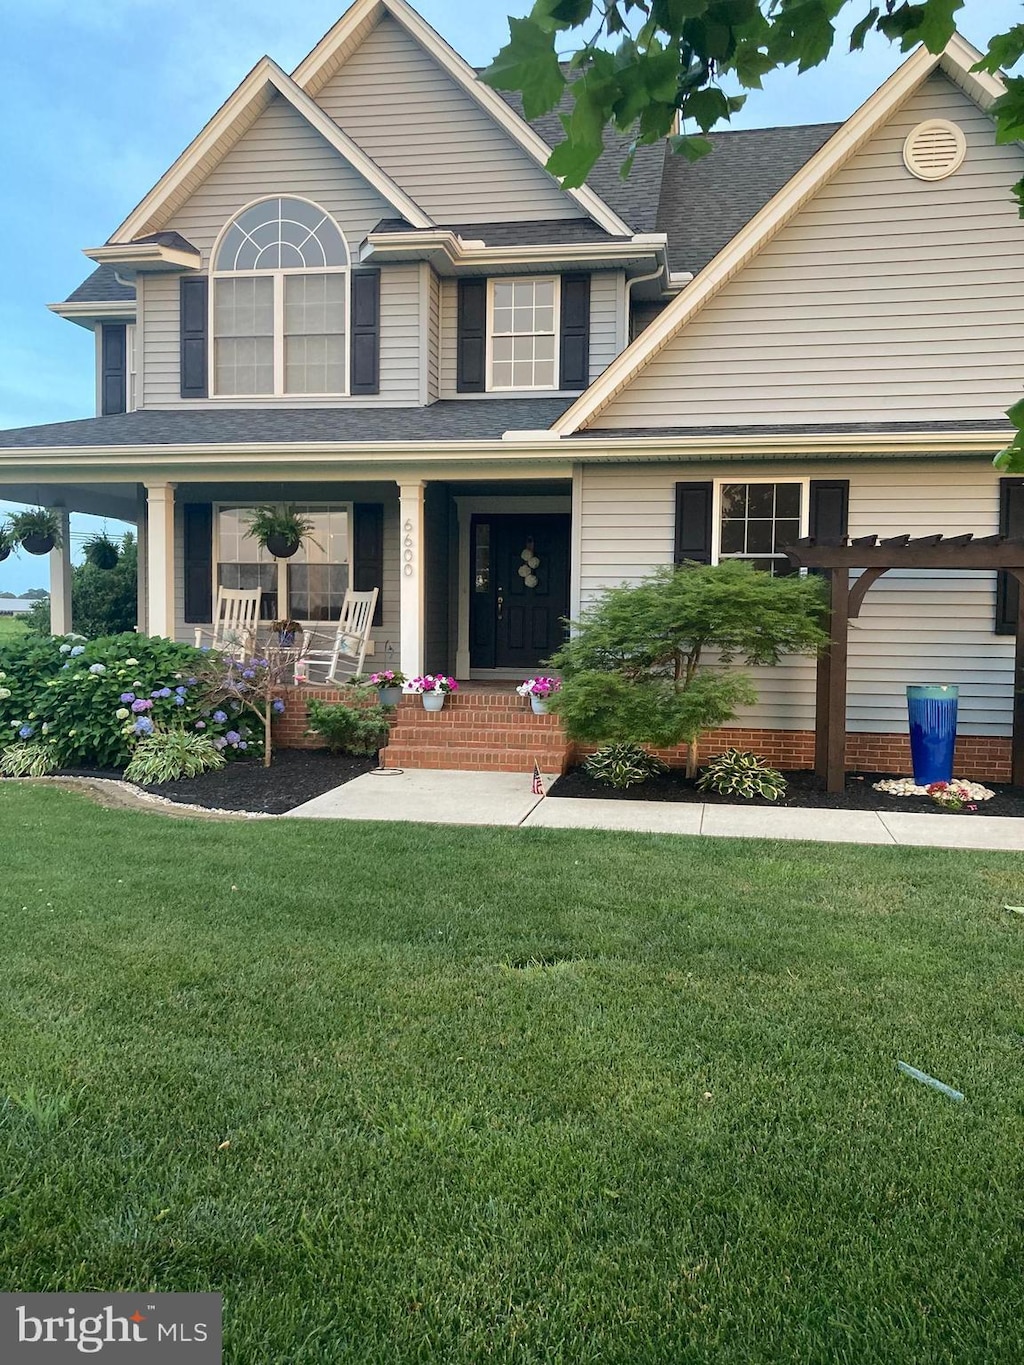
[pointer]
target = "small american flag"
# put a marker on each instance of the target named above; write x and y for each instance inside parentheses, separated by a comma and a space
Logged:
(538, 786)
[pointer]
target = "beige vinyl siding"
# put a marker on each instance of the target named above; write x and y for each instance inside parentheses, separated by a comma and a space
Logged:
(885, 297)
(433, 338)
(607, 322)
(386, 635)
(913, 628)
(433, 139)
(607, 319)
(282, 154)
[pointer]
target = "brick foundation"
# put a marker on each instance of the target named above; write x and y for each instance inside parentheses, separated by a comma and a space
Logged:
(496, 731)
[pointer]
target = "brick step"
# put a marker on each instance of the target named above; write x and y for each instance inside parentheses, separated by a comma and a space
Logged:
(495, 715)
(418, 732)
(463, 760)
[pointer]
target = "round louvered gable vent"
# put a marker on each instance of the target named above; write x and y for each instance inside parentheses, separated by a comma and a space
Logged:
(934, 149)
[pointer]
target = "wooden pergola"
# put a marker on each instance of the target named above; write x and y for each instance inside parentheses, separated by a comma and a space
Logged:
(875, 557)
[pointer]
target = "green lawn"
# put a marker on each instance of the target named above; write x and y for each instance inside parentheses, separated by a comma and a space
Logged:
(514, 1096)
(11, 625)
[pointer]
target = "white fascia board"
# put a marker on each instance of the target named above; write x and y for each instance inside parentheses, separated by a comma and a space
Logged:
(515, 450)
(463, 74)
(81, 310)
(265, 73)
(144, 256)
(457, 251)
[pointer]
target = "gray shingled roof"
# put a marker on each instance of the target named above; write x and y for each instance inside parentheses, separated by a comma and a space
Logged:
(705, 203)
(102, 286)
(483, 419)
(541, 232)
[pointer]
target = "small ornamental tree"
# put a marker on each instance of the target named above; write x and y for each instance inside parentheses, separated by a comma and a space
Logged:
(650, 664)
(251, 684)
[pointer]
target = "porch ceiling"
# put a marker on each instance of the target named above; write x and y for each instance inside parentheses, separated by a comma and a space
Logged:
(116, 500)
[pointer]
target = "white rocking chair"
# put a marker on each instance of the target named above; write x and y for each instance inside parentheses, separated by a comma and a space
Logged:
(235, 620)
(351, 639)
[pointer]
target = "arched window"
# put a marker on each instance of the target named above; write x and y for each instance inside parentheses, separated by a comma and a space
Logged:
(280, 302)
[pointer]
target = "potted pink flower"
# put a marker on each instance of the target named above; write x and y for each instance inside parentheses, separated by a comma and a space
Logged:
(388, 683)
(539, 690)
(433, 688)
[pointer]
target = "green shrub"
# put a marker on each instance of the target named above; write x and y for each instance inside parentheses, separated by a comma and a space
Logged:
(361, 728)
(737, 773)
(27, 760)
(103, 601)
(91, 701)
(636, 668)
(167, 755)
(622, 765)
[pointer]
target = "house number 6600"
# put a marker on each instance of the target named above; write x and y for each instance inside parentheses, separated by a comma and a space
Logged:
(407, 551)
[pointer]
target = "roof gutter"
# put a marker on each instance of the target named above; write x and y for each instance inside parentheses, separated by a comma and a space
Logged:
(130, 258)
(451, 253)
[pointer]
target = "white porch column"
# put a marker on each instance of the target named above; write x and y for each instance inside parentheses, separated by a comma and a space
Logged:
(412, 598)
(60, 578)
(160, 558)
(142, 551)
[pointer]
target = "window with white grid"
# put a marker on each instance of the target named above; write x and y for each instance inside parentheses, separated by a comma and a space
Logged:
(311, 585)
(757, 521)
(280, 302)
(523, 334)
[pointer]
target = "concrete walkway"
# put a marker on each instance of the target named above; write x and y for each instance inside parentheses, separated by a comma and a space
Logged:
(461, 798)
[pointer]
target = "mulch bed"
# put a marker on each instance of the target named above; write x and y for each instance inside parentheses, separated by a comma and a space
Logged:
(805, 789)
(296, 775)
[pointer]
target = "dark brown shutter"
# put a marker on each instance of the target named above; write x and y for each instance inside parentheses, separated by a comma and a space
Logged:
(472, 333)
(575, 345)
(693, 521)
(829, 519)
(113, 368)
(365, 359)
(194, 323)
(1011, 523)
(197, 518)
(368, 551)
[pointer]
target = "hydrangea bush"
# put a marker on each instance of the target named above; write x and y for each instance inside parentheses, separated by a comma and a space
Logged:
(89, 702)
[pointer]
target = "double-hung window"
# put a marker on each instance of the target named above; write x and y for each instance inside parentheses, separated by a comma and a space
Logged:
(308, 587)
(523, 334)
(757, 520)
(280, 303)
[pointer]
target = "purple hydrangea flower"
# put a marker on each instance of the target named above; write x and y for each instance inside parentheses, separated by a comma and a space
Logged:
(143, 726)
(141, 705)
(179, 701)
(248, 674)
(220, 742)
(78, 649)
(26, 732)
(242, 744)
(127, 698)
(161, 692)
(180, 691)
(191, 682)
(277, 706)
(220, 717)
(232, 736)
(200, 724)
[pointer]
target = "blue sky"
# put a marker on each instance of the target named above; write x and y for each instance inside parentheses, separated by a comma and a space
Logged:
(97, 99)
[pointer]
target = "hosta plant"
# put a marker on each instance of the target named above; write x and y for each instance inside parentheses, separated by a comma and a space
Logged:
(168, 755)
(27, 760)
(622, 765)
(740, 773)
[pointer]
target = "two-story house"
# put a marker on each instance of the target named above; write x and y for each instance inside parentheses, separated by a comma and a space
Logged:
(359, 291)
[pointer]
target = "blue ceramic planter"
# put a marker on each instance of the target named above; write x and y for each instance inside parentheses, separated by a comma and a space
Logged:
(932, 715)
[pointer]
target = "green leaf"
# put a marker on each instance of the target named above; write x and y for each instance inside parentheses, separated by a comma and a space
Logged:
(571, 13)
(528, 62)
(690, 146)
(1004, 50)
(932, 23)
(1008, 111)
(573, 161)
(861, 30)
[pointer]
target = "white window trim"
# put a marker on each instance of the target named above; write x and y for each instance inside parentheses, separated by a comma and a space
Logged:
(282, 564)
(131, 378)
(716, 509)
(556, 280)
(277, 276)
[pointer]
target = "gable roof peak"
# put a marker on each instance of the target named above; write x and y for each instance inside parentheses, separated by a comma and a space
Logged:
(234, 118)
(342, 39)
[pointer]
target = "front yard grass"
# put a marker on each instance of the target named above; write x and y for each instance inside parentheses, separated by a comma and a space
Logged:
(418, 1094)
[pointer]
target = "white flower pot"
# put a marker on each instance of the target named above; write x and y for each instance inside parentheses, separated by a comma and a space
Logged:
(389, 696)
(433, 701)
(539, 706)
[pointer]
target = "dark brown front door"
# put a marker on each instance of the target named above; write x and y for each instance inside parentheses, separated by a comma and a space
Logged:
(519, 589)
